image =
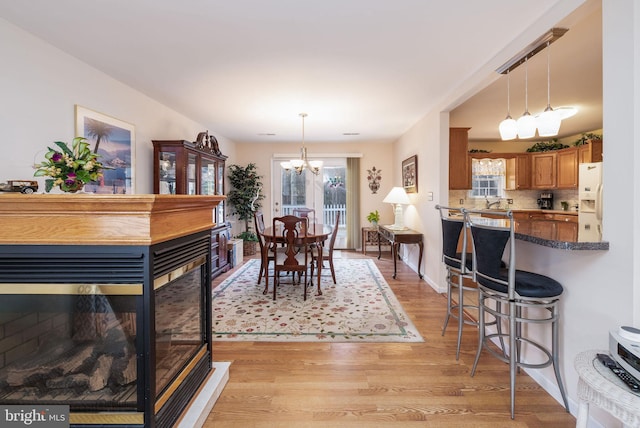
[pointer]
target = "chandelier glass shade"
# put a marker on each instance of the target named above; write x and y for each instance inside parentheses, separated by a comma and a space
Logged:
(299, 165)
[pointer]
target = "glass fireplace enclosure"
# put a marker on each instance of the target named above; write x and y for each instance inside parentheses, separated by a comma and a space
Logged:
(121, 334)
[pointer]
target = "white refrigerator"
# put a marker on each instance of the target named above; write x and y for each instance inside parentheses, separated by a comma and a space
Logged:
(590, 202)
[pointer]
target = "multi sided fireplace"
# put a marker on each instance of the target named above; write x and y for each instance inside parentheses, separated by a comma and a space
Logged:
(120, 332)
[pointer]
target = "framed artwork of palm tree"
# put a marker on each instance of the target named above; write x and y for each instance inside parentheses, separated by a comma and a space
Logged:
(114, 141)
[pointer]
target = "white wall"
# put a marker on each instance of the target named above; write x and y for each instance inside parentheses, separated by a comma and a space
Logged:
(40, 85)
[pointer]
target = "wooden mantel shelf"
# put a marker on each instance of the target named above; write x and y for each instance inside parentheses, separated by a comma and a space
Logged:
(89, 219)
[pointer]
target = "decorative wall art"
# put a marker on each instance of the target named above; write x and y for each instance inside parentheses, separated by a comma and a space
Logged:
(410, 174)
(374, 178)
(114, 141)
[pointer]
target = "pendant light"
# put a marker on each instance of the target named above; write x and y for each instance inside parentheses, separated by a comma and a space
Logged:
(526, 123)
(549, 120)
(508, 127)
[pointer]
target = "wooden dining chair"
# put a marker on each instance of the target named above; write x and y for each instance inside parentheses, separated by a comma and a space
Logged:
(265, 252)
(295, 256)
(326, 254)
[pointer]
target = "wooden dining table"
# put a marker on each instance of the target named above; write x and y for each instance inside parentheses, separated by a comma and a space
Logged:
(316, 233)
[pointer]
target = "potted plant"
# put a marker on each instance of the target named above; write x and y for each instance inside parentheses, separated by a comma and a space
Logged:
(244, 199)
(373, 217)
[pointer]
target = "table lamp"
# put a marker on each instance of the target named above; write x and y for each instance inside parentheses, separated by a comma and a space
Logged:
(399, 197)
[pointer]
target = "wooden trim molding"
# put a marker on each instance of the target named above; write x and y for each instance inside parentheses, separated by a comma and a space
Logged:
(89, 219)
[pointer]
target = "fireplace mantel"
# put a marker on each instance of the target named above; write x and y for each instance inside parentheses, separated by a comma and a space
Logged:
(91, 219)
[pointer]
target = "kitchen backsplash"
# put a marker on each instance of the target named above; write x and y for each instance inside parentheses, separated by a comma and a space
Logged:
(522, 199)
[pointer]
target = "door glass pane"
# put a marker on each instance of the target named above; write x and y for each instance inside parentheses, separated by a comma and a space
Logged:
(335, 194)
(294, 191)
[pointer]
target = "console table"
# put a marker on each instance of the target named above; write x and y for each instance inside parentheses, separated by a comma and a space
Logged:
(599, 386)
(370, 235)
(397, 237)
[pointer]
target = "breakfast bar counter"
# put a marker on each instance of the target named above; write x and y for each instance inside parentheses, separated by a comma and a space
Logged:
(563, 232)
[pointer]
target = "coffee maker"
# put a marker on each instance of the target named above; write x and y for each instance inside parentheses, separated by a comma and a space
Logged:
(546, 201)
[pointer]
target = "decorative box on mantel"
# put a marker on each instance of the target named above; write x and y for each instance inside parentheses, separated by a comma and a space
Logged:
(105, 304)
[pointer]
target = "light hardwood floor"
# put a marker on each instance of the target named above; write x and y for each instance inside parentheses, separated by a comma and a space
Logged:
(378, 385)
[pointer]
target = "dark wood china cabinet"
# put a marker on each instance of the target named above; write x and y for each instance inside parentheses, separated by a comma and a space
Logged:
(195, 168)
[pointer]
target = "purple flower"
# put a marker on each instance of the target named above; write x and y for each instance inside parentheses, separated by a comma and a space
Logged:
(56, 157)
(71, 178)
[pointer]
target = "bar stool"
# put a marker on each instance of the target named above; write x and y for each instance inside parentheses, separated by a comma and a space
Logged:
(459, 269)
(528, 298)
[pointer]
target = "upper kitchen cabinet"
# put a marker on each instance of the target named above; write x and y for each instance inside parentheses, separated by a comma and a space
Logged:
(543, 168)
(567, 177)
(590, 152)
(459, 171)
(518, 171)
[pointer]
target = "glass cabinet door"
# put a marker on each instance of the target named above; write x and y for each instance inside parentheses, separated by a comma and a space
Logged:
(207, 177)
(220, 191)
(191, 174)
(167, 172)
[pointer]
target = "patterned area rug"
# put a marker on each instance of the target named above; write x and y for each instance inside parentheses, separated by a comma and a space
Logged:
(361, 308)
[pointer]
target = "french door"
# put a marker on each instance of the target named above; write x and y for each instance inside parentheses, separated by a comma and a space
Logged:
(325, 193)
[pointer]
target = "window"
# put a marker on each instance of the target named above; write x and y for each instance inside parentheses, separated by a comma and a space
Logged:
(488, 178)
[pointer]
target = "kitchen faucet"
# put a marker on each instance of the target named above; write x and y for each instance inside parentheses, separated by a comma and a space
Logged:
(491, 204)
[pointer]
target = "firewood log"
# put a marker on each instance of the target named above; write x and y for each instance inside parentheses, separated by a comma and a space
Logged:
(100, 374)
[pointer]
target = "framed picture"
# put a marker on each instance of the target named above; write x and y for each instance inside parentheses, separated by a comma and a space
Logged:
(114, 140)
(410, 174)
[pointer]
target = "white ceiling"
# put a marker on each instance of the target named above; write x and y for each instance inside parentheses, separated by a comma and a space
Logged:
(245, 68)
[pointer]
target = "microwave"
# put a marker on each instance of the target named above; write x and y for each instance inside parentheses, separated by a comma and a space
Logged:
(624, 351)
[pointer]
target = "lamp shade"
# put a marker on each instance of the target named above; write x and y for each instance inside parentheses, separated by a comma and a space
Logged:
(397, 195)
(508, 129)
(526, 126)
(548, 123)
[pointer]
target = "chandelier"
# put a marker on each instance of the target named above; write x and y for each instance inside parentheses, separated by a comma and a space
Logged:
(299, 165)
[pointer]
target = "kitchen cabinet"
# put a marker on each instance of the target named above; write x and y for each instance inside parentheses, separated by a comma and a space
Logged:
(518, 173)
(186, 168)
(543, 228)
(543, 170)
(459, 164)
(590, 152)
(567, 175)
(567, 231)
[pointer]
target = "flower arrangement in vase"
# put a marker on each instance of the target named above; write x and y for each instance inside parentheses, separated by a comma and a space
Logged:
(70, 168)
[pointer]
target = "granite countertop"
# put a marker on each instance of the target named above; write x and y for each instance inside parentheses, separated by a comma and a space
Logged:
(545, 233)
(543, 238)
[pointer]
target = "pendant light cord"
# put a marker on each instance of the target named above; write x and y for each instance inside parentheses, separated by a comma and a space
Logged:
(526, 85)
(508, 94)
(548, 75)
